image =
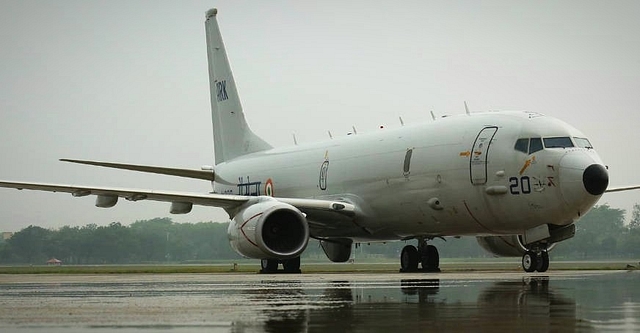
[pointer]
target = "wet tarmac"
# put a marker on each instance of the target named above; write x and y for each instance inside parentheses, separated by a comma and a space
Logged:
(579, 301)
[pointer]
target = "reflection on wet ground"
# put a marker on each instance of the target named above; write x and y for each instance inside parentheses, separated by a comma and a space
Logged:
(477, 302)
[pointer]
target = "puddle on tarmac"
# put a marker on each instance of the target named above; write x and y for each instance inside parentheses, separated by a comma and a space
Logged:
(569, 303)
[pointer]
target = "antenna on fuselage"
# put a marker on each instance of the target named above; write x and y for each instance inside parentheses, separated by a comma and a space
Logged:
(401, 121)
(354, 130)
(433, 116)
(330, 136)
(295, 141)
(466, 108)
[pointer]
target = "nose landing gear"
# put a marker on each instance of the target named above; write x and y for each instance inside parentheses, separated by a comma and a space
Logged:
(535, 261)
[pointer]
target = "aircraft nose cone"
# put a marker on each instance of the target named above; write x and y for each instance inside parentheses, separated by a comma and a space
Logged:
(582, 179)
(595, 179)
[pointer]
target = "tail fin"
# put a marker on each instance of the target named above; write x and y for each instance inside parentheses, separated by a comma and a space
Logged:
(232, 137)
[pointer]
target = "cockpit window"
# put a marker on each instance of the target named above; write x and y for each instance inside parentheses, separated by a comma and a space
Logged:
(528, 146)
(558, 142)
(583, 143)
(532, 145)
(522, 145)
(535, 144)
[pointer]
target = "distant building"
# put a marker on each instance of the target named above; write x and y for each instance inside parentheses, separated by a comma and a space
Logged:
(6, 235)
(54, 261)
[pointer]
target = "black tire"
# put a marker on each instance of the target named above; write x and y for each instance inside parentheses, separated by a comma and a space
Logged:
(543, 262)
(292, 265)
(268, 265)
(409, 259)
(432, 260)
(530, 261)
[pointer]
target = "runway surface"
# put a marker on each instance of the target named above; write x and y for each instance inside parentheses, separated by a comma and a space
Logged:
(567, 301)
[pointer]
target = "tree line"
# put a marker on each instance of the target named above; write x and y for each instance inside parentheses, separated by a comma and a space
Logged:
(148, 241)
(601, 234)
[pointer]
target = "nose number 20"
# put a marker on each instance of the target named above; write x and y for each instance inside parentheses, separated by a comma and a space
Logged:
(520, 185)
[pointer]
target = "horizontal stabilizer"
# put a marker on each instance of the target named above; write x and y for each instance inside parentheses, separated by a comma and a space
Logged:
(186, 173)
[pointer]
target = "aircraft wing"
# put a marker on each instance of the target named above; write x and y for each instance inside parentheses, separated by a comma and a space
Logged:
(622, 188)
(312, 207)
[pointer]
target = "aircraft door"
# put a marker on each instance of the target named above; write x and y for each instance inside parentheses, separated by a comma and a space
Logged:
(480, 155)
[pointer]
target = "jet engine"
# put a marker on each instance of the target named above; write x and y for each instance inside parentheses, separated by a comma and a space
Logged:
(269, 230)
(503, 246)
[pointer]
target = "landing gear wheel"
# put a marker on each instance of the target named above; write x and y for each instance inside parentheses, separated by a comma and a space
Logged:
(409, 259)
(268, 266)
(530, 261)
(543, 262)
(431, 262)
(292, 265)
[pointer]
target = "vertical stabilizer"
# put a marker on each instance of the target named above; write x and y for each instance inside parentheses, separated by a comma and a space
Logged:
(232, 137)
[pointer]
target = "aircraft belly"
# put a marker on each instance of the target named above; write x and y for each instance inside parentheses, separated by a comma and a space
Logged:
(408, 208)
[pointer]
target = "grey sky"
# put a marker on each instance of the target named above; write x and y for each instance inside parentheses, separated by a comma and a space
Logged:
(126, 81)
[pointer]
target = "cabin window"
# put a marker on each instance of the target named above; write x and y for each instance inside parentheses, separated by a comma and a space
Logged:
(583, 143)
(558, 142)
(522, 145)
(535, 144)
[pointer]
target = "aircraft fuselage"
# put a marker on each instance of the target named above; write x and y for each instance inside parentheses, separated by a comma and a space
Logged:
(459, 175)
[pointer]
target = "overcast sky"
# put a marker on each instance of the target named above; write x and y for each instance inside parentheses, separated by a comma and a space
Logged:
(126, 81)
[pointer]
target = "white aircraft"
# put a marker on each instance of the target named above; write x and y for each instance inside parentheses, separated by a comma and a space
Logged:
(516, 180)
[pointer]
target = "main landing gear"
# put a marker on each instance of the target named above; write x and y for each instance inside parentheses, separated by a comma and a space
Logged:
(425, 254)
(535, 261)
(270, 266)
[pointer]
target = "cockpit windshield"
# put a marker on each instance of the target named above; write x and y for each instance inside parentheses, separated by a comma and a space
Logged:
(583, 143)
(558, 142)
(532, 145)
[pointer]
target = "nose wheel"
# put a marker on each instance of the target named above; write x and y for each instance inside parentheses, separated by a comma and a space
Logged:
(535, 261)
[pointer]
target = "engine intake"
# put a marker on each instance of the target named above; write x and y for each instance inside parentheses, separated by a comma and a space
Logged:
(269, 230)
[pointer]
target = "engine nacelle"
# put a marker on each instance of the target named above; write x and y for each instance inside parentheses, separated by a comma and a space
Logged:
(503, 246)
(269, 230)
